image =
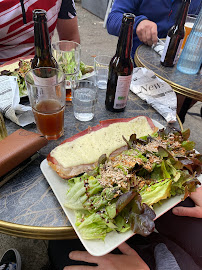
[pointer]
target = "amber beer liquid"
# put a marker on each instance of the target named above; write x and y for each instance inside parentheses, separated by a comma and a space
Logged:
(68, 94)
(68, 86)
(43, 54)
(175, 37)
(70, 83)
(188, 27)
(121, 68)
(49, 117)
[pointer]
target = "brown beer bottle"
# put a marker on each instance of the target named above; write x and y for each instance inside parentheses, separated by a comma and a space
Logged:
(43, 55)
(175, 37)
(121, 68)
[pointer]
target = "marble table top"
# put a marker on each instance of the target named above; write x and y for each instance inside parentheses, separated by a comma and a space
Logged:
(28, 207)
(187, 85)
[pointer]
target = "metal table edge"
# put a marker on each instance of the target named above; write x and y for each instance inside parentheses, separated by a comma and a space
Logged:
(36, 232)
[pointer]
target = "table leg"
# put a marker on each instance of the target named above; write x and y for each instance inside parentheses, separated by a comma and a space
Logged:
(185, 106)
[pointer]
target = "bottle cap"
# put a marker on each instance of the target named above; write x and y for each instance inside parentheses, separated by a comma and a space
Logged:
(128, 17)
(39, 15)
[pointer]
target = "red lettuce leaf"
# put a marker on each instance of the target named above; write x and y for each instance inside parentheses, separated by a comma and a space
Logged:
(124, 199)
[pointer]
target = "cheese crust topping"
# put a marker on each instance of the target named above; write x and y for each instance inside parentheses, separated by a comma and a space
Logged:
(88, 148)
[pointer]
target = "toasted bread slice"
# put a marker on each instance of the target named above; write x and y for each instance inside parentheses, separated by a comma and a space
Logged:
(81, 152)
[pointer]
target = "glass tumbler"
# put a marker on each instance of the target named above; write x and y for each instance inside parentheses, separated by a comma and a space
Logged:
(190, 20)
(101, 67)
(84, 100)
(46, 90)
(68, 57)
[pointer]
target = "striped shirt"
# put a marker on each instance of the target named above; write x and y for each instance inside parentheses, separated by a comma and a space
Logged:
(17, 38)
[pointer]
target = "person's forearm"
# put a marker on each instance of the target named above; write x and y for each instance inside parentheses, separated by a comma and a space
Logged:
(115, 17)
(68, 29)
(195, 7)
(114, 23)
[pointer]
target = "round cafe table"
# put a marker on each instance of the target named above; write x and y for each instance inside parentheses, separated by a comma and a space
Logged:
(28, 207)
(184, 84)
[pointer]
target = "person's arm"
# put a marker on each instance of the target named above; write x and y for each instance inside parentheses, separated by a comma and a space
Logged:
(129, 260)
(191, 211)
(67, 24)
(145, 30)
(68, 29)
(118, 9)
(195, 7)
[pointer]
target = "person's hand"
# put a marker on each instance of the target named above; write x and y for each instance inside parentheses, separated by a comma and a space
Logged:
(191, 211)
(129, 260)
(147, 32)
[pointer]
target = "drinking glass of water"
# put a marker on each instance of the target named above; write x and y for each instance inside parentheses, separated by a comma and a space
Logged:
(84, 100)
(101, 67)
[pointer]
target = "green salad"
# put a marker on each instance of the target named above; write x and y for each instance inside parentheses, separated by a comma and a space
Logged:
(120, 193)
(25, 65)
(67, 62)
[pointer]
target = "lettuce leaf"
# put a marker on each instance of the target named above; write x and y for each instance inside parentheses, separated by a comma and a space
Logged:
(183, 184)
(156, 192)
(121, 224)
(81, 188)
(95, 202)
(94, 227)
(111, 210)
(139, 215)
(188, 145)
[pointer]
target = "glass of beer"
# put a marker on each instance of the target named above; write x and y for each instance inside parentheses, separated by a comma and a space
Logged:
(190, 20)
(46, 91)
(68, 55)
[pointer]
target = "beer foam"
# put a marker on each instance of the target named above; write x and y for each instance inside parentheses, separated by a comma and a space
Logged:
(189, 24)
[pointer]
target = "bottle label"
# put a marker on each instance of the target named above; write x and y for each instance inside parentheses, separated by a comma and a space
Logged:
(178, 52)
(122, 89)
(165, 48)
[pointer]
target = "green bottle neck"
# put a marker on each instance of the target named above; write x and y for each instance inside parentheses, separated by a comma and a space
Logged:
(124, 45)
(41, 40)
(182, 14)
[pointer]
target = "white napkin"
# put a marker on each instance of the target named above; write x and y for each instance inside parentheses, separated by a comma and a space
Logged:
(155, 92)
(9, 102)
(158, 47)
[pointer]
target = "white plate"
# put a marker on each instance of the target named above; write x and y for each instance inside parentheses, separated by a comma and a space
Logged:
(113, 239)
(87, 75)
